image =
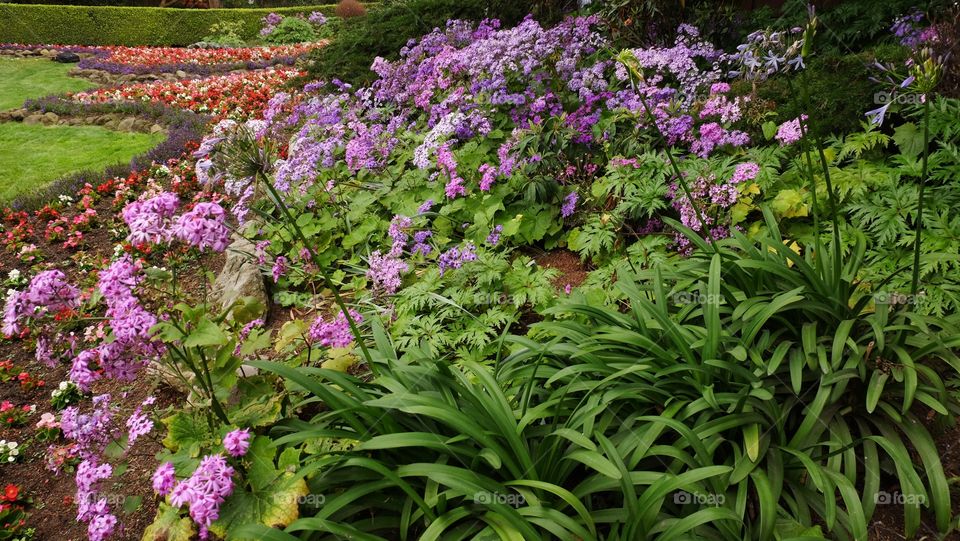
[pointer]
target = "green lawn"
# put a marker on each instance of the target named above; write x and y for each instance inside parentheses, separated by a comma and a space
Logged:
(32, 155)
(35, 78)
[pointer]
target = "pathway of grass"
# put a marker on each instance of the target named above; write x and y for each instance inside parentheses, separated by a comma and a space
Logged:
(32, 155)
(21, 79)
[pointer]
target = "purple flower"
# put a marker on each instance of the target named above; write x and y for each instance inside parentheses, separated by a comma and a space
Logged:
(48, 292)
(205, 491)
(385, 271)
(789, 132)
(237, 442)
(569, 204)
(93, 431)
(398, 232)
(488, 177)
(455, 257)
(317, 18)
(420, 242)
(494, 237)
(335, 333)
(149, 219)
(448, 165)
(138, 425)
(745, 171)
(203, 227)
(164, 479)
(425, 207)
(279, 268)
(244, 333)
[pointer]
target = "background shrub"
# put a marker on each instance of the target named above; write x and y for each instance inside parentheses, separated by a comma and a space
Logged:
(100, 25)
(387, 28)
(350, 8)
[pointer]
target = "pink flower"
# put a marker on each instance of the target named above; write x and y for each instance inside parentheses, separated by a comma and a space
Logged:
(789, 132)
(385, 271)
(237, 442)
(205, 491)
(48, 420)
(335, 333)
(163, 479)
(203, 227)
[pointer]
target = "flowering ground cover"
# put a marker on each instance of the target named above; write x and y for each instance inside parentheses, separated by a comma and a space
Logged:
(235, 95)
(23, 79)
(533, 282)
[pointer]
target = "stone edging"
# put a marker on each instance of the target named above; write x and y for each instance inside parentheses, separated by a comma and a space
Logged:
(111, 121)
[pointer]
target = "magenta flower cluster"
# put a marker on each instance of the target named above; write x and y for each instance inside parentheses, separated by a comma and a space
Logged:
(334, 333)
(47, 293)
(237, 442)
(203, 227)
(149, 219)
(707, 209)
(790, 131)
(203, 492)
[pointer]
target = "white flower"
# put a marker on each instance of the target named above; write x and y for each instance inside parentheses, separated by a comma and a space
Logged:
(14, 274)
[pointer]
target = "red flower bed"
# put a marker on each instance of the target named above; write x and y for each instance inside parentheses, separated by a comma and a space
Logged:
(237, 95)
(159, 56)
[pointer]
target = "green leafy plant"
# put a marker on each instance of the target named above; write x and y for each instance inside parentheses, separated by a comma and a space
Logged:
(291, 30)
(225, 33)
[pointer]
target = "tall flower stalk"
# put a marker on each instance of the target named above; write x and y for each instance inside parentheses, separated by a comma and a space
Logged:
(918, 226)
(925, 72)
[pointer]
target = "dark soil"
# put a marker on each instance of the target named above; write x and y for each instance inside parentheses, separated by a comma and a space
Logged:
(572, 271)
(53, 510)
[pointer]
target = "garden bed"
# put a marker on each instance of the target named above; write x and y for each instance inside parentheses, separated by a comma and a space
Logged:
(530, 283)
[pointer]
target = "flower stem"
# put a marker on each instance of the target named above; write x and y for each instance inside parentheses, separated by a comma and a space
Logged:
(282, 207)
(915, 282)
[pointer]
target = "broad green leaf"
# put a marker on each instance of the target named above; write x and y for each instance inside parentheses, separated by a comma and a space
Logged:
(168, 525)
(207, 333)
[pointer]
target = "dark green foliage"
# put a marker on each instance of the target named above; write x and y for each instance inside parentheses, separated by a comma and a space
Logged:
(839, 87)
(387, 28)
(853, 24)
(127, 25)
(743, 395)
(291, 30)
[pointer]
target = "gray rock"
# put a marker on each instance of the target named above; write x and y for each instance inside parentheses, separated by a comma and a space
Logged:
(33, 119)
(240, 277)
(67, 58)
(181, 74)
(157, 128)
(247, 371)
(50, 118)
(127, 124)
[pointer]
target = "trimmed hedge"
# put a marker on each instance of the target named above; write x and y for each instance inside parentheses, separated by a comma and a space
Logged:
(109, 25)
